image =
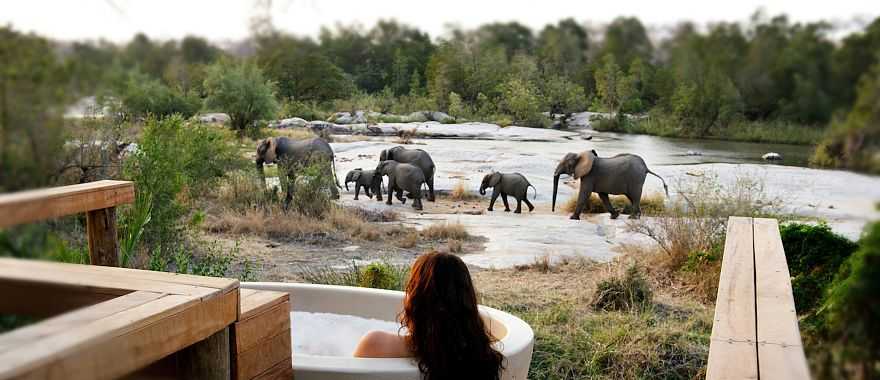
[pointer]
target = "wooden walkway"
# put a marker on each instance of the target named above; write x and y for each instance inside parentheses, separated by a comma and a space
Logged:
(755, 332)
(102, 322)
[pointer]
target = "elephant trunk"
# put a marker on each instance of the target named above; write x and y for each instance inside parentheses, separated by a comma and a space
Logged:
(346, 184)
(483, 190)
(555, 188)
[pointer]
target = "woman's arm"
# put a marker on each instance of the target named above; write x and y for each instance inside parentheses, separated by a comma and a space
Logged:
(382, 344)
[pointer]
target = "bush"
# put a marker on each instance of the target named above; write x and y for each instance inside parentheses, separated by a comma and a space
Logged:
(144, 96)
(304, 110)
(311, 195)
(382, 275)
(241, 91)
(853, 310)
(445, 231)
(814, 254)
(628, 293)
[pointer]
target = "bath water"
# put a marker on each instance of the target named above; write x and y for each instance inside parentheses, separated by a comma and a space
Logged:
(325, 334)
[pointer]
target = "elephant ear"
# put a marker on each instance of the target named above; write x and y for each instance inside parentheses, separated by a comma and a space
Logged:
(355, 175)
(384, 155)
(494, 179)
(267, 150)
(584, 164)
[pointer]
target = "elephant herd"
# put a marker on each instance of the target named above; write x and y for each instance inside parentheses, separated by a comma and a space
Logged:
(411, 170)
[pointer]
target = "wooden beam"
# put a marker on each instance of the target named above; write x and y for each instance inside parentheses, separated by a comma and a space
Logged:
(48, 300)
(124, 342)
(733, 351)
(261, 337)
(780, 350)
(207, 359)
(36, 205)
(103, 244)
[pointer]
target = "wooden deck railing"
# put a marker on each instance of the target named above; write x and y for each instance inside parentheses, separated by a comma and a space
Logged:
(106, 323)
(755, 332)
(98, 200)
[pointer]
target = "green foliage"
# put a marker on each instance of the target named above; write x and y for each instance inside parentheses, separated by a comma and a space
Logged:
(852, 308)
(456, 108)
(312, 195)
(705, 103)
(144, 96)
(379, 276)
(613, 87)
(520, 100)
(629, 293)
(41, 241)
(240, 90)
(562, 96)
(854, 143)
(814, 254)
(305, 110)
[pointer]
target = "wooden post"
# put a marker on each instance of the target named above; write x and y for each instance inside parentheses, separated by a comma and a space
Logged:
(103, 244)
(208, 359)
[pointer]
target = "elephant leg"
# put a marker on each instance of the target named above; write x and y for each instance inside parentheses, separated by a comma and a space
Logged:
(608, 206)
(357, 190)
(506, 205)
(390, 189)
(531, 207)
(636, 206)
(400, 196)
(417, 199)
(492, 202)
(518, 206)
(367, 191)
(430, 182)
(583, 199)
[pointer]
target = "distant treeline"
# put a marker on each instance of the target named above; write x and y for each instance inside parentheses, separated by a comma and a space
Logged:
(762, 80)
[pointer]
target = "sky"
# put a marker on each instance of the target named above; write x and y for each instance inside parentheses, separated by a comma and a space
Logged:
(227, 20)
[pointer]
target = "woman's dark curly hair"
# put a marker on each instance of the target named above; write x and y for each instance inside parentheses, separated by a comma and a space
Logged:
(447, 335)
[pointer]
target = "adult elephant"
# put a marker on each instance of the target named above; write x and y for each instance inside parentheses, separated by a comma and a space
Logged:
(292, 155)
(416, 157)
(401, 178)
(622, 174)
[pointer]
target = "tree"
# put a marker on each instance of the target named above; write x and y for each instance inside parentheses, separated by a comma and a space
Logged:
(562, 96)
(562, 48)
(709, 100)
(513, 37)
(144, 96)
(613, 87)
(626, 39)
(240, 90)
(520, 100)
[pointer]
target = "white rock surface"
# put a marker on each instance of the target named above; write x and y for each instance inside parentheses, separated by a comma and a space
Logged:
(216, 117)
(293, 122)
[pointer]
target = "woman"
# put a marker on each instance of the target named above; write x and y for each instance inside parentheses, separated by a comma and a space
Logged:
(446, 334)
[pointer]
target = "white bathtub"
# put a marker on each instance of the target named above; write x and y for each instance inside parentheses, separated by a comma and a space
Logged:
(517, 338)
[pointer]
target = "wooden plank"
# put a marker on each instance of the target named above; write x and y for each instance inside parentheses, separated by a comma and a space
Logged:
(255, 303)
(47, 300)
(280, 371)
(117, 345)
(207, 359)
(256, 329)
(125, 273)
(45, 329)
(32, 271)
(732, 351)
(780, 349)
(103, 244)
(264, 356)
(35, 205)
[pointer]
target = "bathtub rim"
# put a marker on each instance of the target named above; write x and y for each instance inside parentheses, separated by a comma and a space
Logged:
(519, 338)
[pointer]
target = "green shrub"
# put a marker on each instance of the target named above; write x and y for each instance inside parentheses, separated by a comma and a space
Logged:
(381, 275)
(312, 189)
(242, 92)
(814, 254)
(628, 293)
(144, 96)
(305, 110)
(853, 313)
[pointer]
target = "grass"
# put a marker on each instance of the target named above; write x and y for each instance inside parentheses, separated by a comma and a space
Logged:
(652, 204)
(460, 192)
(667, 338)
(380, 275)
(445, 231)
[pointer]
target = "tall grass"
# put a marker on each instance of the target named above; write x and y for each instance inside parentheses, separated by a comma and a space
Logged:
(380, 275)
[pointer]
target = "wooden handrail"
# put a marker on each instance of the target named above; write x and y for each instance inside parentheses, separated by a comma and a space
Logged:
(97, 199)
(755, 331)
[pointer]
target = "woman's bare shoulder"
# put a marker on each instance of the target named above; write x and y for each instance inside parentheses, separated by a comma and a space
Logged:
(382, 344)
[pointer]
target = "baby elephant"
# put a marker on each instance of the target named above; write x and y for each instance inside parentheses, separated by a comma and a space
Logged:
(401, 177)
(362, 178)
(505, 184)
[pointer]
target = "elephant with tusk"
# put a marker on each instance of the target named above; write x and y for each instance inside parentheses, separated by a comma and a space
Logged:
(291, 155)
(622, 174)
(505, 184)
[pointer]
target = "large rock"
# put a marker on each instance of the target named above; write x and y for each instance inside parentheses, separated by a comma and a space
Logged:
(347, 118)
(216, 117)
(293, 122)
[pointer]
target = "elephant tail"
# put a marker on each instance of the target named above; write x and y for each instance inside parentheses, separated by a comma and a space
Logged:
(535, 196)
(665, 188)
